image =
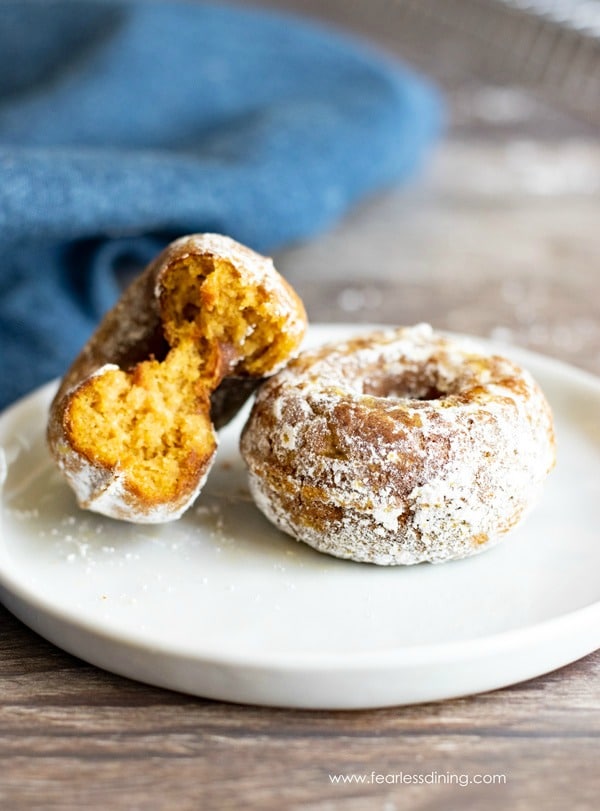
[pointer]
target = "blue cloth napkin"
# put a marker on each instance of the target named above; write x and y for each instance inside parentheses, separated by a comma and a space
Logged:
(124, 125)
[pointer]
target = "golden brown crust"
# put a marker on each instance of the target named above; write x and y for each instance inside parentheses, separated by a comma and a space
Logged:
(133, 423)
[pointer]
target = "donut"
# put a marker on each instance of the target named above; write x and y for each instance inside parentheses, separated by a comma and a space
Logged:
(398, 447)
(133, 424)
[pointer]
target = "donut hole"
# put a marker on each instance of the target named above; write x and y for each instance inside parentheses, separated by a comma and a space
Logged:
(404, 387)
(234, 323)
(150, 423)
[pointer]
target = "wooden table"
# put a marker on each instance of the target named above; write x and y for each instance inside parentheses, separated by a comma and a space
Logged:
(481, 244)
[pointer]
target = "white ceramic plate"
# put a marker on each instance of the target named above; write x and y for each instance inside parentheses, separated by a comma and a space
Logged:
(222, 605)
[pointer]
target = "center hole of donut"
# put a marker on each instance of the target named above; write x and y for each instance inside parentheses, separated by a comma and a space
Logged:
(403, 389)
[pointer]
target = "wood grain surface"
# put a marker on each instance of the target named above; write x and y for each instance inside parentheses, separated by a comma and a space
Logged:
(499, 238)
(72, 736)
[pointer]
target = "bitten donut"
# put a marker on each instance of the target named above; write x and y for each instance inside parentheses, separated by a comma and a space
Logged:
(133, 425)
(398, 447)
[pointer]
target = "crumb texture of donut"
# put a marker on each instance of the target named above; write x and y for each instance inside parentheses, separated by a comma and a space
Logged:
(399, 447)
(133, 425)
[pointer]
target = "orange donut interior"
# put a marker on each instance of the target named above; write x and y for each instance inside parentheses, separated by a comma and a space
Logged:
(152, 422)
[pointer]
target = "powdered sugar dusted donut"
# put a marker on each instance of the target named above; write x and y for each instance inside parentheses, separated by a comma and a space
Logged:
(133, 425)
(399, 447)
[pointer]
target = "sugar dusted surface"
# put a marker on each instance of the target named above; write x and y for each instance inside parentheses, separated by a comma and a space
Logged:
(132, 332)
(398, 479)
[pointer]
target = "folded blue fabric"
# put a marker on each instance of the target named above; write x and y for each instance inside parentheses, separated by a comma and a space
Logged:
(124, 125)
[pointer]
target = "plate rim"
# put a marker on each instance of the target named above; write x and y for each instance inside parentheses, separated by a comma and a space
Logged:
(413, 655)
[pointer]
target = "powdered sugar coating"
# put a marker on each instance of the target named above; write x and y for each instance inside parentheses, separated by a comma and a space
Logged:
(399, 447)
(106, 492)
(133, 332)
